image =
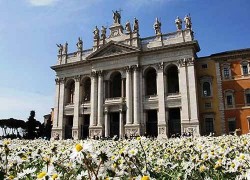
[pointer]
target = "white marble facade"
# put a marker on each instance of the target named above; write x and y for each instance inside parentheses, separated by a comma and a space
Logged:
(126, 85)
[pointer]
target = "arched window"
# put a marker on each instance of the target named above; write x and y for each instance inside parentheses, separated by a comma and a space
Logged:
(206, 89)
(86, 89)
(150, 82)
(115, 85)
(206, 86)
(172, 80)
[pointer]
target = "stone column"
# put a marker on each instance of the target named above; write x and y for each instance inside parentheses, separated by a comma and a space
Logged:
(121, 128)
(136, 86)
(100, 98)
(75, 128)
(61, 118)
(93, 100)
(107, 124)
(183, 86)
(162, 126)
(128, 97)
(193, 103)
(56, 110)
(123, 87)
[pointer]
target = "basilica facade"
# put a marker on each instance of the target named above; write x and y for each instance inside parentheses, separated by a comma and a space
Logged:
(126, 85)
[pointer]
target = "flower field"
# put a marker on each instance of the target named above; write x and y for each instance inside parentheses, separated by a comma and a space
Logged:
(224, 157)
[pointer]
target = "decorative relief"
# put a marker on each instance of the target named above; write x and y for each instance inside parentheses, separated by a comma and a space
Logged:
(57, 80)
(190, 61)
(181, 62)
(62, 80)
(135, 67)
(127, 68)
(160, 66)
(77, 78)
(100, 73)
(132, 132)
(162, 130)
(93, 74)
(95, 132)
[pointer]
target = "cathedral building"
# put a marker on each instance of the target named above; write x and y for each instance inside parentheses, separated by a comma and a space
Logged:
(126, 85)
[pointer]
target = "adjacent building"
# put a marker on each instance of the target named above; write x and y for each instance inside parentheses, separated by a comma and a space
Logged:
(127, 85)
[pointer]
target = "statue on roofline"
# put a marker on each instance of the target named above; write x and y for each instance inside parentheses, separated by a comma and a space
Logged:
(128, 27)
(157, 27)
(96, 33)
(136, 25)
(188, 22)
(117, 17)
(178, 23)
(79, 44)
(60, 49)
(65, 48)
(103, 32)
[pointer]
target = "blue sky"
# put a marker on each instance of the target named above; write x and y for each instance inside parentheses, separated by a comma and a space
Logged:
(30, 29)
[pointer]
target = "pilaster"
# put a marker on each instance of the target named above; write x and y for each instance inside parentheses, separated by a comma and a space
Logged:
(93, 100)
(183, 86)
(61, 118)
(121, 128)
(193, 103)
(128, 96)
(106, 121)
(162, 126)
(76, 127)
(136, 86)
(100, 98)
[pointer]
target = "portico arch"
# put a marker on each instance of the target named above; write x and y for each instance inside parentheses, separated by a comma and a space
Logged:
(172, 78)
(70, 91)
(115, 84)
(150, 81)
(86, 89)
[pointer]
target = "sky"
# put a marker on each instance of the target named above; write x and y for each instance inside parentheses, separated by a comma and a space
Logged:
(30, 30)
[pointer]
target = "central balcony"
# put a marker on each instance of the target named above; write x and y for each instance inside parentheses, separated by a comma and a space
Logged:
(115, 100)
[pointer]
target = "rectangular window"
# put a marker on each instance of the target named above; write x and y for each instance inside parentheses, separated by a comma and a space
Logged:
(231, 125)
(248, 99)
(229, 100)
(245, 69)
(208, 105)
(209, 125)
(226, 72)
(204, 66)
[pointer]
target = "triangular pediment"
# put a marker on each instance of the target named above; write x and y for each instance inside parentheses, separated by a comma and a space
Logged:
(112, 49)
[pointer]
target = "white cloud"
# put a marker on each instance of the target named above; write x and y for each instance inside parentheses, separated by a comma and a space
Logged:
(42, 2)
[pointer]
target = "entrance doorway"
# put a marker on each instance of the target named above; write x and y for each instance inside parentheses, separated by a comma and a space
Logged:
(114, 124)
(151, 123)
(68, 127)
(85, 126)
(174, 122)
